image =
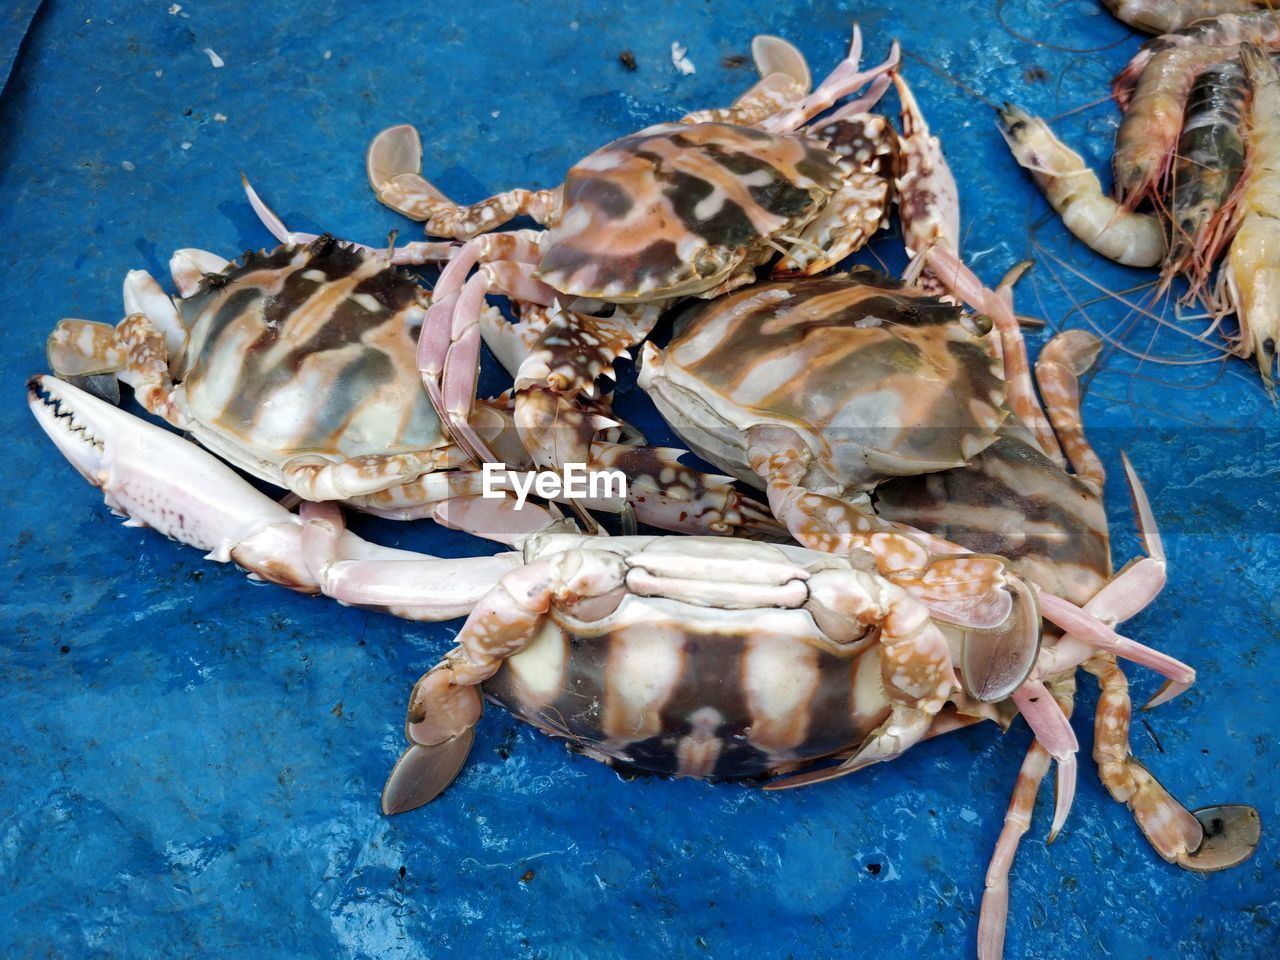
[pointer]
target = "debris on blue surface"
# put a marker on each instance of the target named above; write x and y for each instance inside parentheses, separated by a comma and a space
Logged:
(193, 761)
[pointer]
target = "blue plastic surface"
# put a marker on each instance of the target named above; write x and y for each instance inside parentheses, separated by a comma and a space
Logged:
(192, 762)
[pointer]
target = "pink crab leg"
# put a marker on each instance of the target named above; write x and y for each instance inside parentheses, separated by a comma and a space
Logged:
(522, 247)
(157, 479)
(994, 915)
(959, 279)
(879, 86)
(1178, 835)
(449, 362)
(409, 254)
(1075, 620)
(928, 199)
(1054, 732)
(844, 80)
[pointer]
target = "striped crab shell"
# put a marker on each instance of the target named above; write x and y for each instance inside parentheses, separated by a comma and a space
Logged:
(306, 351)
(880, 381)
(698, 690)
(683, 210)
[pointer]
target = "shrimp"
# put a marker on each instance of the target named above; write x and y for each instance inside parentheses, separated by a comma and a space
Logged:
(928, 200)
(1252, 274)
(1148, 133)
(1074, 191)
(1165, 16)
(1229, 30)
(1210, 159)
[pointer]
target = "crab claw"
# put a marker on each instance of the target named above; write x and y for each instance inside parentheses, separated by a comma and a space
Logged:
(157, 479)
(424, 772)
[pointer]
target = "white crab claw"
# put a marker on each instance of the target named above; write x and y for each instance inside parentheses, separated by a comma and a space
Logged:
(152, 476)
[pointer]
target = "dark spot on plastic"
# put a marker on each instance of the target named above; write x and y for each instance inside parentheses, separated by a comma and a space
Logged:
(64, 649)
(627, 59)
(1035, 75)
(734, 61)
(874, 869)
(527, 875)
(403, 871)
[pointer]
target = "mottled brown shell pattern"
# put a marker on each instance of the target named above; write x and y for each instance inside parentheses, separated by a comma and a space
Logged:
(1013, 501)
(309, 350)
(677, 209)
(881, 381)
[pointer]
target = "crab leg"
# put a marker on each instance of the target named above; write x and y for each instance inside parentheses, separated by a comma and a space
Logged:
(784, 81)
(867, 145)
(979, 592)
(666, 494)
(928, 200)
(844, 80)
(1051, 725)
(394, 164)
(445, 704)
(995, 899)
(405, 584)
(157, 479)
(571, 353)
(772, 94)
(1061, 364)
(960, 280)
(1211, 839)
(408, 254)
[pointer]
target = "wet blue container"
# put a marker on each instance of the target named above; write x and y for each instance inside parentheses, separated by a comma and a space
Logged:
(192, 762)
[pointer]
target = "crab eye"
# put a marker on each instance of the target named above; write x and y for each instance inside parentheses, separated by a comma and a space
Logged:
(709, 261)
(978, 323)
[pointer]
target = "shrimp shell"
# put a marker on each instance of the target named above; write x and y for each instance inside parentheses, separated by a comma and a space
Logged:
(1148, 134)
(1232, 29)
(1209, 162)
(1252, 274)
(1165, 16)
(1074, 191)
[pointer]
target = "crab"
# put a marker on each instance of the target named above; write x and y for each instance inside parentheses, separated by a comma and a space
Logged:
(1015, 500)
(299, 367)
(681, 209)
(817, 391)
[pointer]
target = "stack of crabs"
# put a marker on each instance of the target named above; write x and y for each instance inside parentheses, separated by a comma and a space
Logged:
(932, 549)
